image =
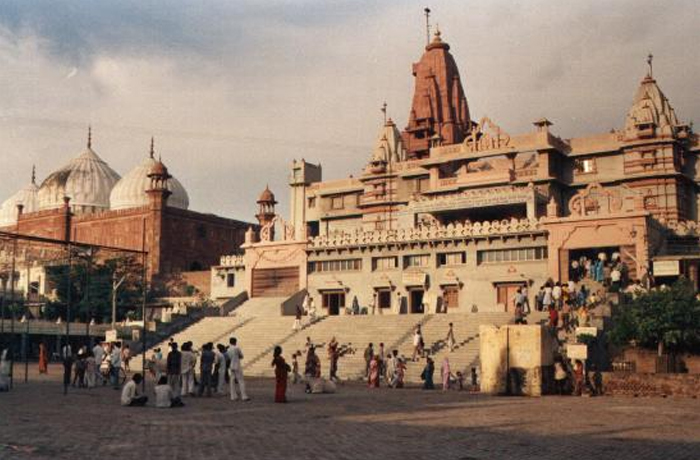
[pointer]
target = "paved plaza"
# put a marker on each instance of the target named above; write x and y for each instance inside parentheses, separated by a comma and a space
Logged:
(38, 422)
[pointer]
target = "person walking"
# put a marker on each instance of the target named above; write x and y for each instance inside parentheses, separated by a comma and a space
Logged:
(368, 355)
(115, 364)
(90, 370)
(333, 356)
(281, 371)
(99, 353)
(578, 378)
(235, 355)
(450, 338)
(312, 368)
(427, 374)
(390, 375)
(559, 376)
(297, 319)
(126, 357)
(206, 367)
(174, 369)
(373, 380)
(446, 374)
(43, 359)
(417, 341)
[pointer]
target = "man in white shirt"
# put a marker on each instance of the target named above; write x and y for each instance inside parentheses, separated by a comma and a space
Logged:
(130, 392)
(237, 384)
(115, 364)
(99, 353)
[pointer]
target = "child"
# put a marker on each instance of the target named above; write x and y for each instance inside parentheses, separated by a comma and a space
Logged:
(460, 381)
(295, 367)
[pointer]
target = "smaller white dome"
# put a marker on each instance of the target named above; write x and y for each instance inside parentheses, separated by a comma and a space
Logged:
(28, 196)
(130, 191)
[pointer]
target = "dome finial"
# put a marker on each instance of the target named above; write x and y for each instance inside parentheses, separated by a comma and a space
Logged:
(384, 106)
(152, 151)
(427, 25)
(89, 143)
(34, 174)
(650, 60)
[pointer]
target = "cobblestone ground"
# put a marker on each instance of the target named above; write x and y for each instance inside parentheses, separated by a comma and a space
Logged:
(38, 422)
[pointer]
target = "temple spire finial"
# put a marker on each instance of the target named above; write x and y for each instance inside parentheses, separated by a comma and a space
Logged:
(152, 151)
(89, 142)
(34, 174)
(650, 63)
(384, 106)
(427, 25)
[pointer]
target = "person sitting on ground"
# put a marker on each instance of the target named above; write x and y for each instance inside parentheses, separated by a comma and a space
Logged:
(165, 397)
(130, 392)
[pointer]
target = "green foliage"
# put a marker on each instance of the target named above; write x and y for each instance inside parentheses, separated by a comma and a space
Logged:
(670, 316)
(91, 289)
(587, 339)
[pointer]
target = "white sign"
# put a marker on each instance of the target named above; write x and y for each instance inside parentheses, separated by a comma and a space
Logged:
(577, 351)
(111, 335)
(587, 331)
(667, 268)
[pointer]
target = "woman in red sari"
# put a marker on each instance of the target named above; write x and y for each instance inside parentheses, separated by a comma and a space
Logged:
(43, 359)
(281, 371)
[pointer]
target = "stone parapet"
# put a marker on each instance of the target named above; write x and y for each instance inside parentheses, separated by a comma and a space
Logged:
(232, 261)
(638, 384)
(429, 233)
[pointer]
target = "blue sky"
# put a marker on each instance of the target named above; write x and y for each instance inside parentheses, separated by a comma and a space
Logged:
(234, 90)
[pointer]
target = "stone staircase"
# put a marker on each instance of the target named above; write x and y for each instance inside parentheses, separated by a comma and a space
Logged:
(466, 351)
(354, 332)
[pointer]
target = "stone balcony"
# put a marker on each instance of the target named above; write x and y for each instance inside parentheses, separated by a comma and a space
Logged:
(232, 261)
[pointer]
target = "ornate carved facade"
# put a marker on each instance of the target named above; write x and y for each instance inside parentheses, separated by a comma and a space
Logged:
(463, 211)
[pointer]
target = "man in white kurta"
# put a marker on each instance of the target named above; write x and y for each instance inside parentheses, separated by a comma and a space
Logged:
(237, 384)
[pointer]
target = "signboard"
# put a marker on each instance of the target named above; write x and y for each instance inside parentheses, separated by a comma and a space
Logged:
(111, 335)
(667, 268)
(577, 351)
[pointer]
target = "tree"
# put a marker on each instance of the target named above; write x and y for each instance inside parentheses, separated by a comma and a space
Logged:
(95, 285)
(662, 318)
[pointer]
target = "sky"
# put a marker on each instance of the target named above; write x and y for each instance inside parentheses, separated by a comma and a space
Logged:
(234, 90)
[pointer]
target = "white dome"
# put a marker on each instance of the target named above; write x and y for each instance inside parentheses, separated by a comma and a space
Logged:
(28, 197)
(130, 191)
(87, 180)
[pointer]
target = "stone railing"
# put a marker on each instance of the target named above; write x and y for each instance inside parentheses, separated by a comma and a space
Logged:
(428, 233)
(683, 227)
(232, 261)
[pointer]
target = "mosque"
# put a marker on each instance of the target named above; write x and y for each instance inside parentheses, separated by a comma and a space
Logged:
(87, 201)
(453, 213)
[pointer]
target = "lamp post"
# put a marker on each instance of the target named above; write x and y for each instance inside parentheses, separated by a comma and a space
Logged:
(25, 346)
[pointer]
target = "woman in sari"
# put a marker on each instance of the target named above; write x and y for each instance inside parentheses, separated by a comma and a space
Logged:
(427, 374)
(43, 359)
(400, 373)
(374, 372)
(281, 371)
(446, 373)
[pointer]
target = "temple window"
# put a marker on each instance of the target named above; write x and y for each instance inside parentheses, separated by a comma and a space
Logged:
(451, 258)
(344, 265)
(416, 260)
(511, 255)
(337, 202)
(384, 263)
(230, 280)
(585, 165)
(312, 202)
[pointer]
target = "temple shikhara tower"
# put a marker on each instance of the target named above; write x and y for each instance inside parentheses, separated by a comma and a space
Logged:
(454, 213)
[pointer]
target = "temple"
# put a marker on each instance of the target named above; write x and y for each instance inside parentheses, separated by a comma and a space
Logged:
(453, 214)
